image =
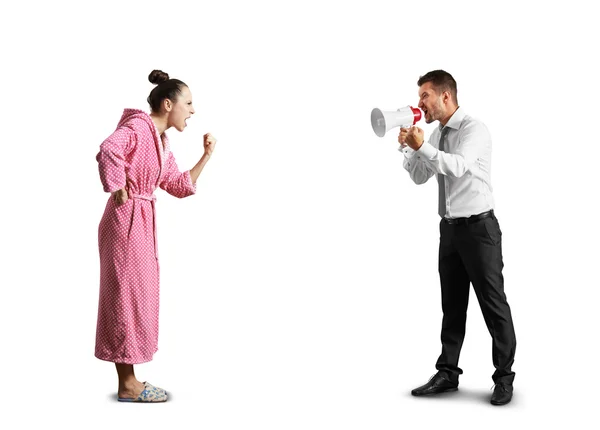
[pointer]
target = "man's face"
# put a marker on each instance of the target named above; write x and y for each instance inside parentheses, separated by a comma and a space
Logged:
(430, 102)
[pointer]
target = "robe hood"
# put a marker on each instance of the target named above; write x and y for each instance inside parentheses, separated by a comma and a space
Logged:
(131, 115)
(131, 118)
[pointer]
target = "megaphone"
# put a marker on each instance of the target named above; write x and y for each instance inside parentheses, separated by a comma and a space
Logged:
(384, 121)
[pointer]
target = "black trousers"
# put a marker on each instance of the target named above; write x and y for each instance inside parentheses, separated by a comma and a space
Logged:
(472, 254)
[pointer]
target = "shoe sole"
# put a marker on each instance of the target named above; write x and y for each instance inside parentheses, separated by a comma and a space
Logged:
(448, 390)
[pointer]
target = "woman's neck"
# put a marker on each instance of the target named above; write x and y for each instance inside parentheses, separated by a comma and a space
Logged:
(160, 122)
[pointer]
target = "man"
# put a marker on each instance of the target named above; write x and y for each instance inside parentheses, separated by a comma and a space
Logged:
(459, 154)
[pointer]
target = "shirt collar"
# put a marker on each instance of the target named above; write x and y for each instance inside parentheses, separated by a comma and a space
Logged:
(455, 119)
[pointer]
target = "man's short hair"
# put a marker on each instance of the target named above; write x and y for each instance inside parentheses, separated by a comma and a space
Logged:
(441, 81)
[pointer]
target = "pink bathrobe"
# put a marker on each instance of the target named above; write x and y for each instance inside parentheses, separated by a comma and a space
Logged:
(134, 157)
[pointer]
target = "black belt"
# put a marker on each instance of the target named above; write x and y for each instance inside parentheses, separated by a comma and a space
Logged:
(469, 220)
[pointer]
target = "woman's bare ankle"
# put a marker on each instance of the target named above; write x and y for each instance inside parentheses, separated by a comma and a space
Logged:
(130, 389)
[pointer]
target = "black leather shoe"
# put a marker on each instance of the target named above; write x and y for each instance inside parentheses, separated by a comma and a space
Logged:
(439, 383)
(502, 394)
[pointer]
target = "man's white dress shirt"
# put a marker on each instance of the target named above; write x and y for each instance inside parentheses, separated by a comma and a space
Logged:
(465, 164)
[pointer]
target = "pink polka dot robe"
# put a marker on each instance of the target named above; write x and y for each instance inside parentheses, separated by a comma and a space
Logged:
(136, 158)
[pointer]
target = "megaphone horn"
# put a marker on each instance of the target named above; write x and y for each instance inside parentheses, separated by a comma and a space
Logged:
(384, 121)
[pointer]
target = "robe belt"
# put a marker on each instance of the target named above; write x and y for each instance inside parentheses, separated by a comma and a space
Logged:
(152, 199)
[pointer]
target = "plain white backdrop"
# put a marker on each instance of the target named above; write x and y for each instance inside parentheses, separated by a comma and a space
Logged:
(299, 287)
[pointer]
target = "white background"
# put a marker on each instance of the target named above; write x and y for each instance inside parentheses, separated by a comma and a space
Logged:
(299, 287)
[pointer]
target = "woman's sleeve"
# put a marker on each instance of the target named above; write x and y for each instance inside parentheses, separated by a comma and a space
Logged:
(176, 183)
(112, 158)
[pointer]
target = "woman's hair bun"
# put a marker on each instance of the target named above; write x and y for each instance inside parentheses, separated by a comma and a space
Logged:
(158, 76)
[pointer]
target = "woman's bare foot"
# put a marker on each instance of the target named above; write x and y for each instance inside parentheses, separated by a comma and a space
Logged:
(131, 389)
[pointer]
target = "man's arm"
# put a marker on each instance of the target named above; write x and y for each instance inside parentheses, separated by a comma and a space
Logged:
(416, 166)
(474, 140)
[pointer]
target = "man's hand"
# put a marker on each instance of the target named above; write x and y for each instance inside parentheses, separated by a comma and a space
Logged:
(402, 137)
(414, 137)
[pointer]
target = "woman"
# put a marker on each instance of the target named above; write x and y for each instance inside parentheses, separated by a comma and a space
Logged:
(133, 162)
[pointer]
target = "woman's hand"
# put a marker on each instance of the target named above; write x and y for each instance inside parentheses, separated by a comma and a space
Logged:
(209, 144)
(120, 196)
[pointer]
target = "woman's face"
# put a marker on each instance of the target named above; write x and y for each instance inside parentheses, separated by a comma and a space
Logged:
(181, 110)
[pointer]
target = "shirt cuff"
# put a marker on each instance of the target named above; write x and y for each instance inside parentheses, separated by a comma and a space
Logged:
(407, 151)
(428, 151)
